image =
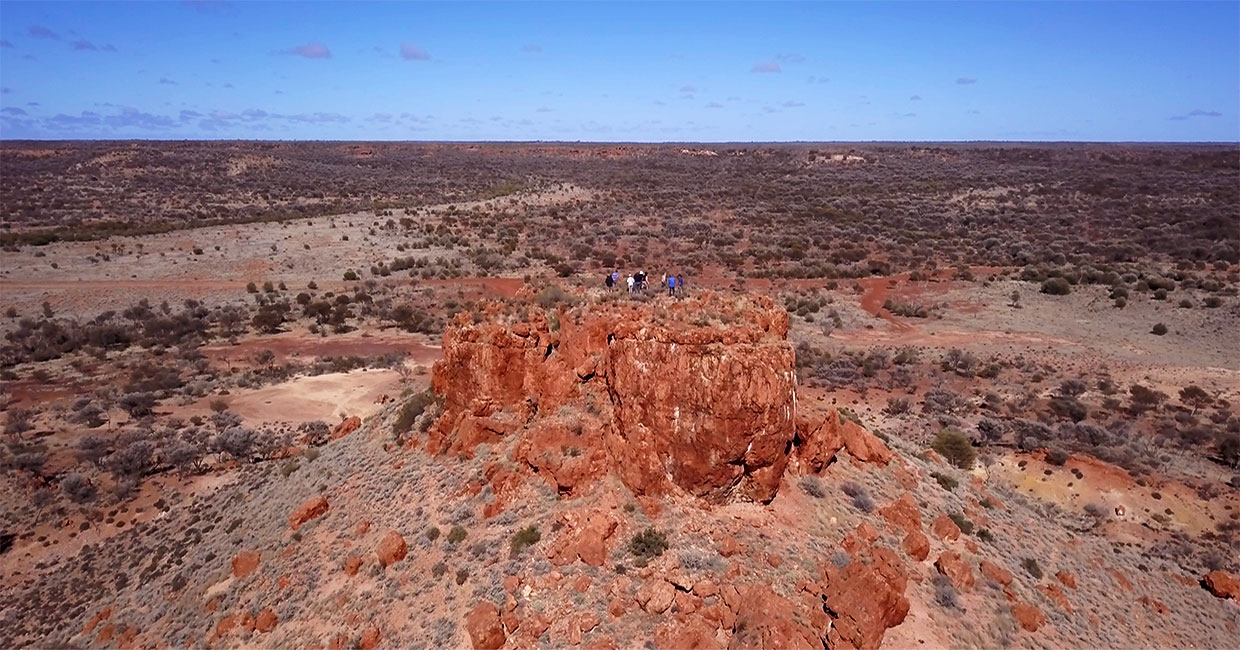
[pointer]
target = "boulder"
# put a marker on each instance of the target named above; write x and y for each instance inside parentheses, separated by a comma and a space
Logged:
(586, 536)
(392, 548)
(347, 426)
(1029, 617)
(370, 638)
(1222, 584)
(903, 513)
(863, 600)
(656, 596)
(821, 436)
(956, 569)
(995, 572)
(266, 620)
(1067, 578)
(916, 545)
(486, 632)
(310, 509)
(245, 563)
(765, 619)
(945, 529)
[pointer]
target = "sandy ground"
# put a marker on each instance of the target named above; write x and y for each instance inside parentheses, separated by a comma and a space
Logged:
(330, 398)
(75, 278)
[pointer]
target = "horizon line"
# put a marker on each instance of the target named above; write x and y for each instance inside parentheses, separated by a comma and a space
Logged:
(5, 141)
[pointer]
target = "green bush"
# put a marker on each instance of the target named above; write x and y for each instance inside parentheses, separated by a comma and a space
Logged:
(456, 535)
(523, 539)
(1056, 287)
(648, 543)
(1159, 329)
(955, 448)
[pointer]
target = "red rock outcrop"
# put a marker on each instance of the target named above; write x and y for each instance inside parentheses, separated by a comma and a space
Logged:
(696, 396)
(310, 509)
(486, 632)
(1222, 584)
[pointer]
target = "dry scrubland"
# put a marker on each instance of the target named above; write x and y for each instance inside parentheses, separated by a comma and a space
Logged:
(202, 339)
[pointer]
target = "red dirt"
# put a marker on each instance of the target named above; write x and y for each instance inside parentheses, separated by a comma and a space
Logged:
(298, 345)
(488, 287)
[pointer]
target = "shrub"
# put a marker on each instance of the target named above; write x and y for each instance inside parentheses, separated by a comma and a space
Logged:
(432, 533)
(523, 539)
(1057, 456)
(648, 543)
(1031, 565)
(944, 593)
(456, 535)
(1159, 329)
(955, 448)
(813, 487)
(860, 498)
(1056, 287)
(31, 462)
(412, 408)
(946, 482)
(19, 422)
(350, 276)
(961, 522)
(134, 460)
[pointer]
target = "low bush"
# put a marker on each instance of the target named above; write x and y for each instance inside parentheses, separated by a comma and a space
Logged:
(955, 448)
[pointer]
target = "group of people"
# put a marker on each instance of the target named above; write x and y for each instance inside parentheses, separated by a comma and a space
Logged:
(637, 282)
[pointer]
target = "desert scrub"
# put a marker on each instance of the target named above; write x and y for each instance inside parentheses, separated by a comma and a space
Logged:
(410, 410)
(955, 448)
(648, 544)
(1031, 566)
(456, 535)
(961, 522)
(432, 533)
(946, 482)
(812, 486)
(860, 498)
(523, 539)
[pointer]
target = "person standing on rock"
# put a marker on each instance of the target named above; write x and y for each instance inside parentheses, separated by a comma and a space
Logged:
(615, 276)
(631, 283)
(680, 282)
(607, 280)
(671, 285)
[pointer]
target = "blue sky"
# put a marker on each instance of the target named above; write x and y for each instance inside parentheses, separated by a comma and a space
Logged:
(621, 72)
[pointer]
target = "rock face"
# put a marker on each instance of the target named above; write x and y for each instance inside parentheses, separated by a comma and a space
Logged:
(1222, 584)
(696, 396)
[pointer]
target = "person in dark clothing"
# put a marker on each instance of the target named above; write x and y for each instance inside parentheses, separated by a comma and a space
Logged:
(680, 283)
(609, 282)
